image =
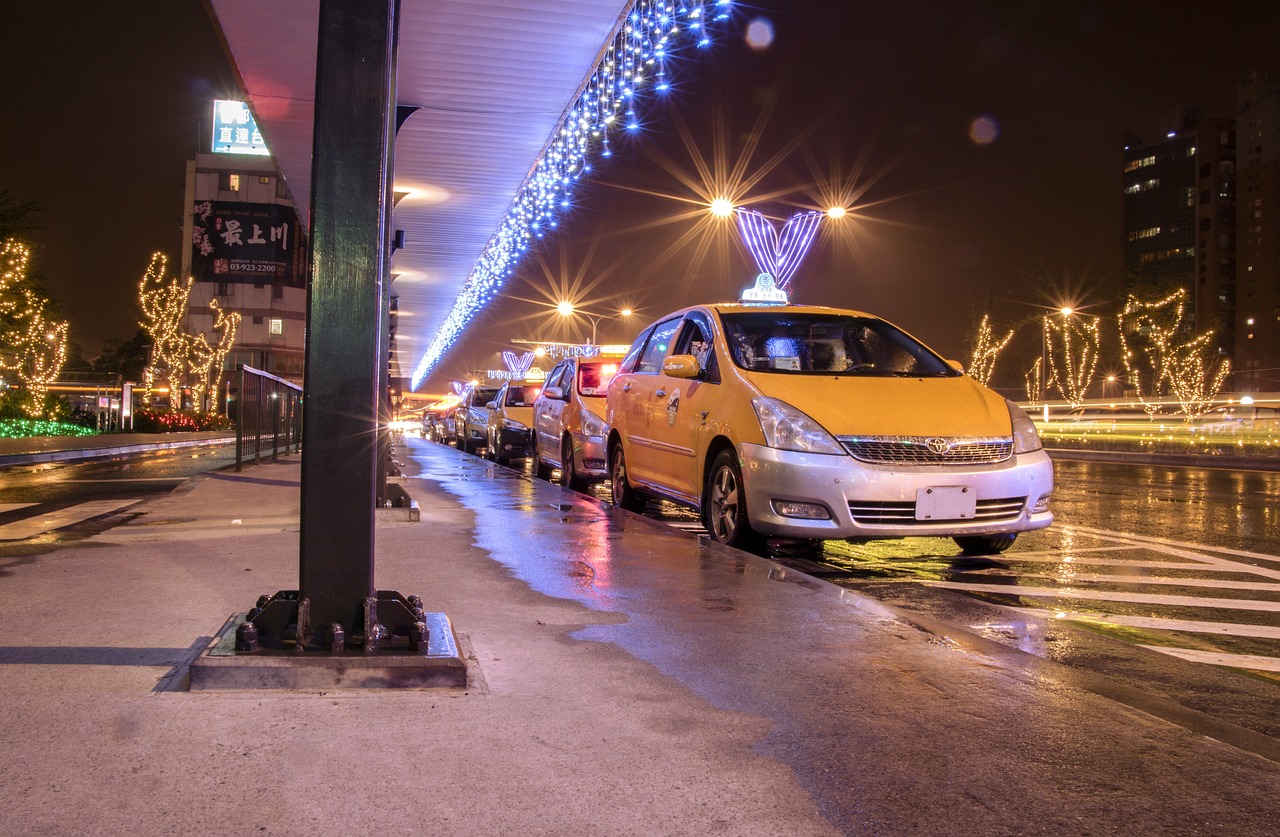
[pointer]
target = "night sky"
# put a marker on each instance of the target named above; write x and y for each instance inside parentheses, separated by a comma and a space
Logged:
(105, 105)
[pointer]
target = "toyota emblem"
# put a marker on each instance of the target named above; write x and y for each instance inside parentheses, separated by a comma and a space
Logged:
(938, 445)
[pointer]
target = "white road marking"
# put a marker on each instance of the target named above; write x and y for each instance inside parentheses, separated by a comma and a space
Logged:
(1220, 584)
(1071, 560)
(8, 507)
(1239, 553)
(1159, 624)
(1108, 596)
(1220, 658)
(133, 479)
(1196, 552)
(41, 523)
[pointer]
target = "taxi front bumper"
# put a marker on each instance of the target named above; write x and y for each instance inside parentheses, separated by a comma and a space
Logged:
(803, 495)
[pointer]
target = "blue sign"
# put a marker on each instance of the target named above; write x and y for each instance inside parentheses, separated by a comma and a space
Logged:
(234, 131)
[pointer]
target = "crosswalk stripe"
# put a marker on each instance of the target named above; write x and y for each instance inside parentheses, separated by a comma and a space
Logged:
(1238, 553)
(1219, 658)
(41, 523)
(8, 507)
(1072, 560)
(1102, 595)
(1221, 584)
(1162, 624)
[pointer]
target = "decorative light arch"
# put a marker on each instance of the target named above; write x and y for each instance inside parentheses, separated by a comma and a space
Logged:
(634, 62)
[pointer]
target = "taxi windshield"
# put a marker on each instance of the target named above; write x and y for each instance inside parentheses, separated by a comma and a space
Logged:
(826, 344)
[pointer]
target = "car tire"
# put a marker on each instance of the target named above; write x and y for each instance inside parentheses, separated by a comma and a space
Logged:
(623, 494)
(541, 469)
(724, 506)
(984, 544)
(568, 474)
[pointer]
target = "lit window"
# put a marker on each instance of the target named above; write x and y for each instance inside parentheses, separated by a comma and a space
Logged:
(277, 325)
(1249, 321)
(233, 182)
(264, 180)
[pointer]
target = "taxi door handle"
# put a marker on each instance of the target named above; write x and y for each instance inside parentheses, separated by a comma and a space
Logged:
(660, 393)
(626, 387)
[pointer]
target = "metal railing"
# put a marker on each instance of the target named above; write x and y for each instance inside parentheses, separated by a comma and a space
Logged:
(267, 412)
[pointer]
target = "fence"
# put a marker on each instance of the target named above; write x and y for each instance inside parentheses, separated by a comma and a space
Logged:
(268, 414)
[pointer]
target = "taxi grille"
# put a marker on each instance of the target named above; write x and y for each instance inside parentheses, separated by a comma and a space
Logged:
(903, 513)
(922, 450)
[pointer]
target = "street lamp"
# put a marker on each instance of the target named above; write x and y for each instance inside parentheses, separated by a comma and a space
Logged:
(567, 309)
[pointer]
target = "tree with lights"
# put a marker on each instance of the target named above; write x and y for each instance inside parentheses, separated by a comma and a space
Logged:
(206, 359)
(177, 355)
(33, 345)
(1162, 359)
(985, 351)
(164, 307)
(1071, 343)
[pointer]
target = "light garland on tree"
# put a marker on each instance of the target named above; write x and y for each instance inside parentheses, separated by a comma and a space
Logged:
(164, 307)
(207, 360)
(1158, 361)
(634, 61)
(1079, 339)
(986, 350)
(175, 353)
(31, 344)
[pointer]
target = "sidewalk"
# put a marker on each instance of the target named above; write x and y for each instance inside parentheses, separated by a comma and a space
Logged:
(626, 678)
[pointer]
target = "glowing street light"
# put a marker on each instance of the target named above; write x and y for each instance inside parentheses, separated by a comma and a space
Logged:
(836, 212)
(722, 208)
(567, 309)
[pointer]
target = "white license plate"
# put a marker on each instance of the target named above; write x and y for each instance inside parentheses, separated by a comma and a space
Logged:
(947, 502)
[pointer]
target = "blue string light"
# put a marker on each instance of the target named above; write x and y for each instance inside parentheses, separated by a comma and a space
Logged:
(634, 61)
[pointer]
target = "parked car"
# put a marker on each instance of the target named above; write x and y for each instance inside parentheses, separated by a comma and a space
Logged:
(510, 417)
(819, 423)
(471, 418)
(568, 420)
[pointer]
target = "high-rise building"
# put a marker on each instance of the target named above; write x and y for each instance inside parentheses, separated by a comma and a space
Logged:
(1257, 346)
(1179, 221)
(245, 248)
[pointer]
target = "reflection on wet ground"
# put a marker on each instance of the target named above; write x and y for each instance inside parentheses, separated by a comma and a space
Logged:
(1173, 561)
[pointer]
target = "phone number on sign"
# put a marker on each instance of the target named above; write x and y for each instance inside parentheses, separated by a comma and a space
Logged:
(254, 267)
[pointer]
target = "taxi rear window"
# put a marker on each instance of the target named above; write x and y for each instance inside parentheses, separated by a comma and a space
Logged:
(828, 344)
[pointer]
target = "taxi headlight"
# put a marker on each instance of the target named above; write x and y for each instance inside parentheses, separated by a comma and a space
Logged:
(786, 428)
(1025, 436)
(592, 425)
(512, 424)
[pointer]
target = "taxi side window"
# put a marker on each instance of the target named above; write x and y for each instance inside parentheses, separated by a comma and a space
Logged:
(633, 354)
(696, 340)
(553, 380)
(656, 349)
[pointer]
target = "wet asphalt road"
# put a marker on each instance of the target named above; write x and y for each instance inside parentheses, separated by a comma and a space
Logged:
(1165, 579)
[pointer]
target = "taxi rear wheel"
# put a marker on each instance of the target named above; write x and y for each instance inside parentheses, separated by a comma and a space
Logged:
(985, 544)
(623, 494)
(724, 505)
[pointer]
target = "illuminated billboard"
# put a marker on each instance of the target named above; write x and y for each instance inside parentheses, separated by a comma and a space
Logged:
(234, 131)
(247, 242)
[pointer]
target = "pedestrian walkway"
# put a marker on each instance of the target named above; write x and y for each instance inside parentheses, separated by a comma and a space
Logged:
(625, 678)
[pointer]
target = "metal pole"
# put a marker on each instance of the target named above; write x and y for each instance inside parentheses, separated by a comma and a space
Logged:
(239, 422)
(257, 426)
(355, 73)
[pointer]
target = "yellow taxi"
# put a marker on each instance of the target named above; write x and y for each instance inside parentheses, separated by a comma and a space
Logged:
(568, 421)
(805, 422)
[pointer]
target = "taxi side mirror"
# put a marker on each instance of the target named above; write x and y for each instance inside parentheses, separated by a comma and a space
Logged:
(492, 405)
(681, 366)
(956, 365)
(554, 393)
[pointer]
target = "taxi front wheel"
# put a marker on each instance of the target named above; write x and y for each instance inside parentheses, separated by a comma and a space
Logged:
(724, 506)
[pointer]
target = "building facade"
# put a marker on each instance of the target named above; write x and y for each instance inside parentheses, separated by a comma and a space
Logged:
(1180, 222)
(247, 250)
(1257, 348)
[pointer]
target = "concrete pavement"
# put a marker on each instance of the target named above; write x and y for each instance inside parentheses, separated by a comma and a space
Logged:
(626, 678)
